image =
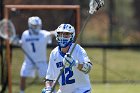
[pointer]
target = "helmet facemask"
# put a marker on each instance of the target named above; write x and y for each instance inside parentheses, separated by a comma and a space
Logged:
(34, 29)
(65, 35)
(64, 40)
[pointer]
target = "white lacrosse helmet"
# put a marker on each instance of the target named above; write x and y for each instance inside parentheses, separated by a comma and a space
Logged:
(35, 24)
(65, 41)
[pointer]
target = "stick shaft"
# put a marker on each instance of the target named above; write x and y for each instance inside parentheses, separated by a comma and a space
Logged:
(28, 56)
(83, 27)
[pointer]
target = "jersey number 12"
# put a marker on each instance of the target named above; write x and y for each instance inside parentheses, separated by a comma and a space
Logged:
(66, 77)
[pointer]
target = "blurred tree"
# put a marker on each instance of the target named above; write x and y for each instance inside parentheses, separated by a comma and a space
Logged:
(51, 19)
(111, 19)
(137, 12)
(1, 9)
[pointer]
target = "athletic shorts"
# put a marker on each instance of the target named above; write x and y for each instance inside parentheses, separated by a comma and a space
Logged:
(29, 69)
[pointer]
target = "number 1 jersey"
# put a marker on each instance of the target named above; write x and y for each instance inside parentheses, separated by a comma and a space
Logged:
(35, 45)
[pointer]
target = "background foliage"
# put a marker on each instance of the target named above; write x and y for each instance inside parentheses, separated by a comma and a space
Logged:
(117, 22)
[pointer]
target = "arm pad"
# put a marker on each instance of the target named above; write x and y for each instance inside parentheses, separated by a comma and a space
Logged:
(86, 67)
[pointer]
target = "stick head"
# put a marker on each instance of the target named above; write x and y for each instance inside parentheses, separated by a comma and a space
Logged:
(95, 5)
(7, 30)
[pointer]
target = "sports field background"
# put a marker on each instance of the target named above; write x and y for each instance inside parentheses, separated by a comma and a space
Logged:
(122, 65)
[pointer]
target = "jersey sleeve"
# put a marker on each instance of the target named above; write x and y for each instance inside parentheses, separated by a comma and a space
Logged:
(22, 38)
(51, 70)
(82, 55)
(48, 37)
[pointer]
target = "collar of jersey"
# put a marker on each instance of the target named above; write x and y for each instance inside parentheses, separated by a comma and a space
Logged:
(61, 53)
(31, 34)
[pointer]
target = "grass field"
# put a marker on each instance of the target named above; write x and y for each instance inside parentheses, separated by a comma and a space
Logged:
(96, 88)
(121, 65)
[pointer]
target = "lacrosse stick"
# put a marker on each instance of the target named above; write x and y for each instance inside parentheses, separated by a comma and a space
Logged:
(7, 31)
(6, 26)
(94, 6)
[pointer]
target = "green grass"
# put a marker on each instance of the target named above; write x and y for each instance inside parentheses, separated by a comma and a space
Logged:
(96, 88)
(121, 65)
(116, 88)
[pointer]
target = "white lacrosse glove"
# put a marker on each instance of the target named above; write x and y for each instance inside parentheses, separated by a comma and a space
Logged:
(16, 41)
(68, 61)
(47, 90)
(95, 5)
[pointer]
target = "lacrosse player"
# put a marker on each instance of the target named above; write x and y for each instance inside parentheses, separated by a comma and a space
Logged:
(74, 78)
(34, 41)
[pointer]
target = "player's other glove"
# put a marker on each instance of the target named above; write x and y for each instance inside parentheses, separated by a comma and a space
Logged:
(16, 41)
(68, 61)
(47, 90)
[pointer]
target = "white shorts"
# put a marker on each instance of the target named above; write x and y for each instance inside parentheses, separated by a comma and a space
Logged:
(28, 69)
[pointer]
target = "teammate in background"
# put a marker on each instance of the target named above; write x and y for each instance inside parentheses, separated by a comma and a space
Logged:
(74, 78)
(34, 41)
